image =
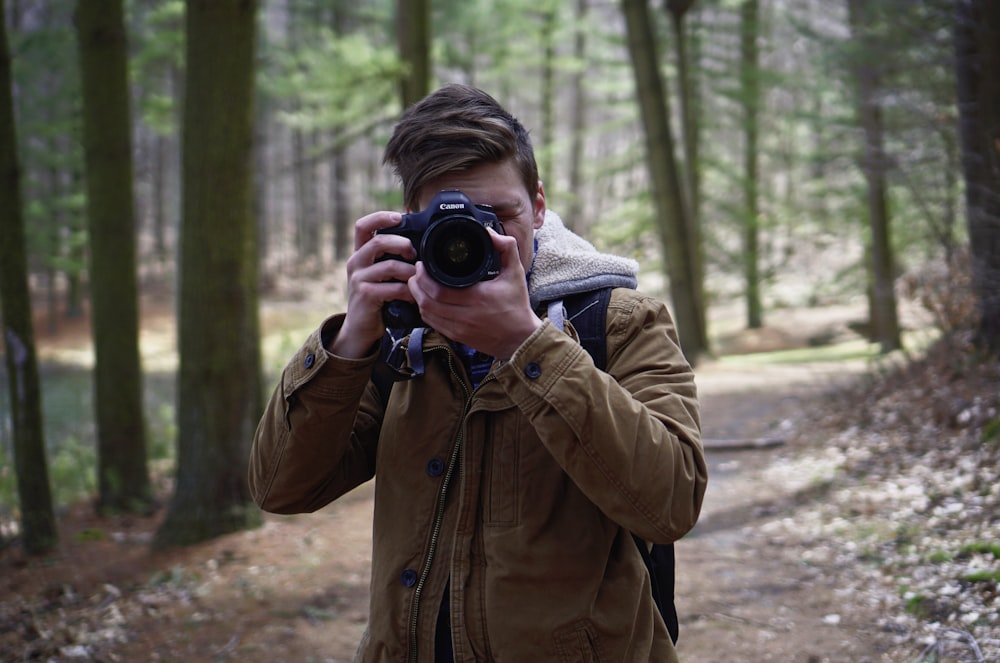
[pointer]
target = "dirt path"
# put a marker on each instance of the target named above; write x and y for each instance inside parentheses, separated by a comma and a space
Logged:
(296, 590)
(745, 596)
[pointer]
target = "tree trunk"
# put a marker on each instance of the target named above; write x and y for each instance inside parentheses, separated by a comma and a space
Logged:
(341, 201)
(159, 202)
(76, 248)
(749, 83)
(340, 192)
(38, 521)
(219, 383)
(678, 10)
(307, 246)
(263, 128)
(885, 322)
(977, 45)
(687, 93)
(55, 231)
(578, 123)
(122, 474)
(413, 30)
(671, 213)
(549, 18)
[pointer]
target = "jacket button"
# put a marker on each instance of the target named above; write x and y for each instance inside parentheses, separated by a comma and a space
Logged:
(408, 578)
(435, 467)
(309, 361)
(533, 370)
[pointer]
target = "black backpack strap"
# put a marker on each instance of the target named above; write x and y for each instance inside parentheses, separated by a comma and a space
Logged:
(659, 559)
(589, 314)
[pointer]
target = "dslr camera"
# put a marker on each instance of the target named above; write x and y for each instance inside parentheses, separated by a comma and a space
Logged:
(451, 239)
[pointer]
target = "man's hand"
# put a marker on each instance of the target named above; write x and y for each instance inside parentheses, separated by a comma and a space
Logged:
(371, 283)
(494, 316)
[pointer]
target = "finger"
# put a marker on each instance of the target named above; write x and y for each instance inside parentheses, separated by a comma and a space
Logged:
(506, 246)
(398, 271)
(381, 248)
(423, 285)
(365, 227)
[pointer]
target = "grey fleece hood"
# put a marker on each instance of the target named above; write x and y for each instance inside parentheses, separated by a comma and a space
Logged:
(566, 263)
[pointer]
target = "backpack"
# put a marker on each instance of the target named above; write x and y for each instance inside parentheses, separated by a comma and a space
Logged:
(588, 313)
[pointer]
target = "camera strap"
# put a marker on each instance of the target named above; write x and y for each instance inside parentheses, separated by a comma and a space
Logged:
(415, 351)
(557, 314)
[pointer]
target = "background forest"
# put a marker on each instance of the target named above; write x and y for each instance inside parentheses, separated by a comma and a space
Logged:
(195, 159)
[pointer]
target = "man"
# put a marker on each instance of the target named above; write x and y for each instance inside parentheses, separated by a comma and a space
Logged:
(511, 470)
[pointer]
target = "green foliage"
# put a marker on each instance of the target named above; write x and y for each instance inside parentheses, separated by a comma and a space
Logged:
(991, 432)
(163, 431)
(324, 95)
(157, 36)
(8, 488)
(176, 577)
(72, 464)
(68, 414)
(982, 548)
(984, 576)
(328, 74)
(90, 534)
(918, 606)
(48, 112)
(940, 557)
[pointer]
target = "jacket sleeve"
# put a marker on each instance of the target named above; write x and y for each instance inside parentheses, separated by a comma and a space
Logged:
(317, 437)
(629, 438)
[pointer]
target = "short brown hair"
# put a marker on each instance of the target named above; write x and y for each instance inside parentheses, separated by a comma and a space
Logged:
(454, 129)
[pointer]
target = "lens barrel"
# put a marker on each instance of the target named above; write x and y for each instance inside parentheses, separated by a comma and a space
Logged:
(457, 251)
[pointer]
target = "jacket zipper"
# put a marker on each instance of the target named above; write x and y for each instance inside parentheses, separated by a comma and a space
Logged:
(453, 464)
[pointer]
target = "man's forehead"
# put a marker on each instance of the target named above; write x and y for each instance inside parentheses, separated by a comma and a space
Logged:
(496, 185)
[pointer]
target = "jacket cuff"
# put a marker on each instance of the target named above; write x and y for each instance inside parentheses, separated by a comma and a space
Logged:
(539, 363)
(331, 373)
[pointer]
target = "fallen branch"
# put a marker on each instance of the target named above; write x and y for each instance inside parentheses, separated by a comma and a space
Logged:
(742, 444)
(937, 648)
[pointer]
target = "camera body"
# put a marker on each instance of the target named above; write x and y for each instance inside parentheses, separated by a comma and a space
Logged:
(450, 236)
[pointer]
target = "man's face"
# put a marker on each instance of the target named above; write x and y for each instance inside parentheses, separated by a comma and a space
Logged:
(498, 185)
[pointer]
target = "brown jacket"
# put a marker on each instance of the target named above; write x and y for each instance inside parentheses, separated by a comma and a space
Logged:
(521, 494)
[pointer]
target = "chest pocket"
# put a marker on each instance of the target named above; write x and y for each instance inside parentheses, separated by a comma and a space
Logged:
(503, 455)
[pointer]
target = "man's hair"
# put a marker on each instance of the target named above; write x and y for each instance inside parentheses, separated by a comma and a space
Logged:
(454, 129)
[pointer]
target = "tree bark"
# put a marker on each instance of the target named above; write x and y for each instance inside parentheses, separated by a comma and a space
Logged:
(678, 10)
(307, 246)
(977, 46)
(219, 382)
(549, 22)
(577, 123)
(341, 202)
(665, 183)
(413, 31)
(340, 187)
(122, 473)
(874, 163)
(687, 94)
(749, 82)
(38, 521)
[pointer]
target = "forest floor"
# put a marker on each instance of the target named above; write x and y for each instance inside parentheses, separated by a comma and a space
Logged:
(871, 533)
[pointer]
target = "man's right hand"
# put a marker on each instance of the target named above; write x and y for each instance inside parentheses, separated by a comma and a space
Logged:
(371, 283)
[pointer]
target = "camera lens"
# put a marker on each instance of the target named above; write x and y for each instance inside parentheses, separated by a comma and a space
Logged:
(456, 251)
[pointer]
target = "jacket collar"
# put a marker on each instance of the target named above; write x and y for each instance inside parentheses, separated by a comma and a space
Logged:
(565, 264)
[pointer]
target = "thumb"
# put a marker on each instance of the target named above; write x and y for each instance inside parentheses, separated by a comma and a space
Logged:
(506, 246)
